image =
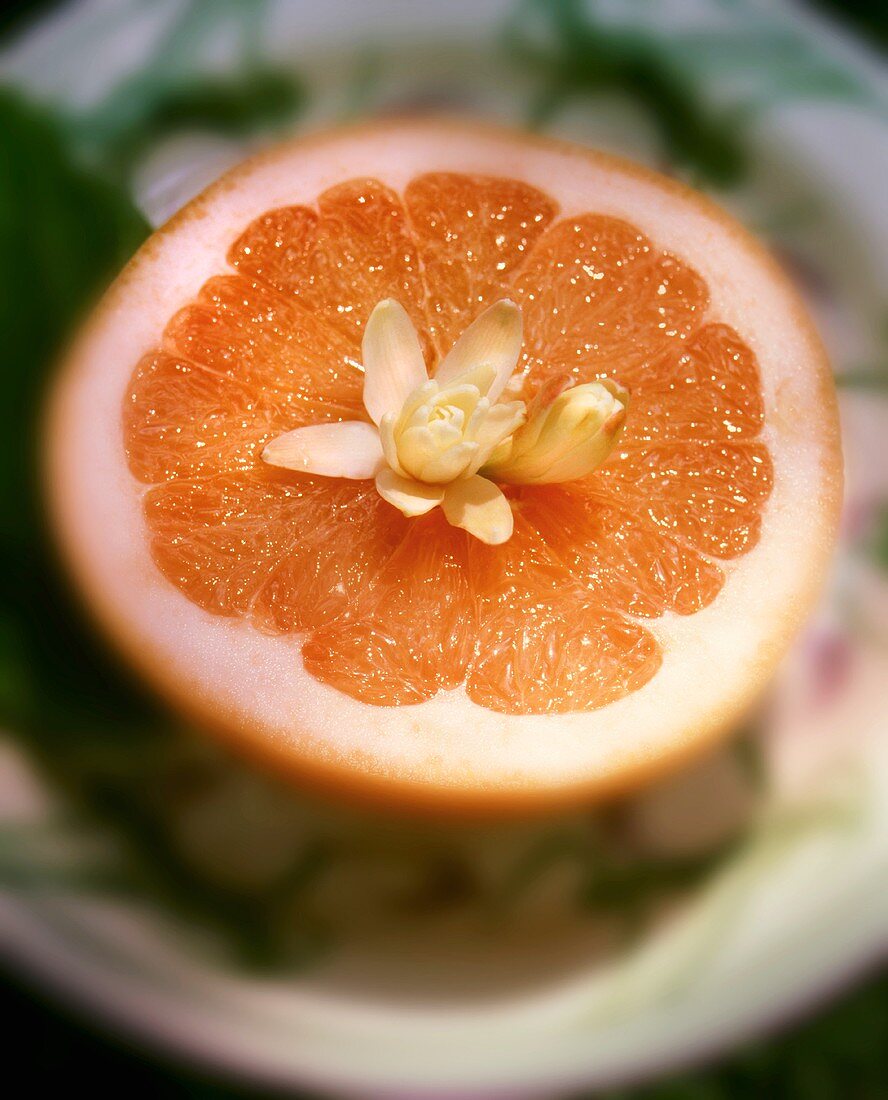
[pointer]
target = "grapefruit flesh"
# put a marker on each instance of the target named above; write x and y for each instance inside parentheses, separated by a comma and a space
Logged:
(632, 613)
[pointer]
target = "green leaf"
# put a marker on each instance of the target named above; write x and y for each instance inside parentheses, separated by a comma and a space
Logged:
(863, 378)
(576, 54)
(65, 233)
(842, 1053)
(259, 99)
(579, 50)
(876, 543)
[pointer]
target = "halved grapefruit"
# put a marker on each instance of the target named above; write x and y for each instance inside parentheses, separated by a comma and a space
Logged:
(631, 614)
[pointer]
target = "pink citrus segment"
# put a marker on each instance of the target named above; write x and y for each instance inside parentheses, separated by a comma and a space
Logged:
(289, 360)
(710, 496)
(705, 389)
(544, 645)
(412, 630)
(624, 557)
(269, 548)
(598, 297)
(178, 421)
(472, 233)
(340, 259)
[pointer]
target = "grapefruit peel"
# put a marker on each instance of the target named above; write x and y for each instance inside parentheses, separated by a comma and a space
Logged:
(538, 702)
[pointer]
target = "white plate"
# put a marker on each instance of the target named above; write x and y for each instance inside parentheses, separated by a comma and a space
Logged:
(802, 905)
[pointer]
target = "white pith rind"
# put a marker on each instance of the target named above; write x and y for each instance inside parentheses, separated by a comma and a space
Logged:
(253, 685)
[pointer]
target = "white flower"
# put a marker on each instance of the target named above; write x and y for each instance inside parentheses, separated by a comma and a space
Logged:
(432, 440)
(569, 431)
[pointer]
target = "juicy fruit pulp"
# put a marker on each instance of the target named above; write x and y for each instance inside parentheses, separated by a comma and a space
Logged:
(393, 609)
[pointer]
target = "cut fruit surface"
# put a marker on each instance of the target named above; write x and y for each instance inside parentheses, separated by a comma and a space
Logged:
(631, 614)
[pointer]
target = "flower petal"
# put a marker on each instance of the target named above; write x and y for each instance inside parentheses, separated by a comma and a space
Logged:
(479, 507)
(350, 449)
(413, 498)
(387, 439)
(493, 339)
(478, 379)
(438, 466)
(420, 399)
(392, 357)
(499, 423)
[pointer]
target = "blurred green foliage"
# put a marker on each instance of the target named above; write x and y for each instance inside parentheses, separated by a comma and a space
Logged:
(840, 1055)
(867, 17)
(261, 98)
(581, 49)
(608, 883)
(876, 542)
(870, 376)
(65, 233)
(577, 55)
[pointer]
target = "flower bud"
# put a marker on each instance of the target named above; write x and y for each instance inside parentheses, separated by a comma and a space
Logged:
(570, 430)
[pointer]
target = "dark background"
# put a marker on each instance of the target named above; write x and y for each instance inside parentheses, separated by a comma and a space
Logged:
(837, 1052)
(840, 1054)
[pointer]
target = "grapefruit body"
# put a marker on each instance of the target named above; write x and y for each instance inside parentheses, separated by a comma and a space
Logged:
(632, 616)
